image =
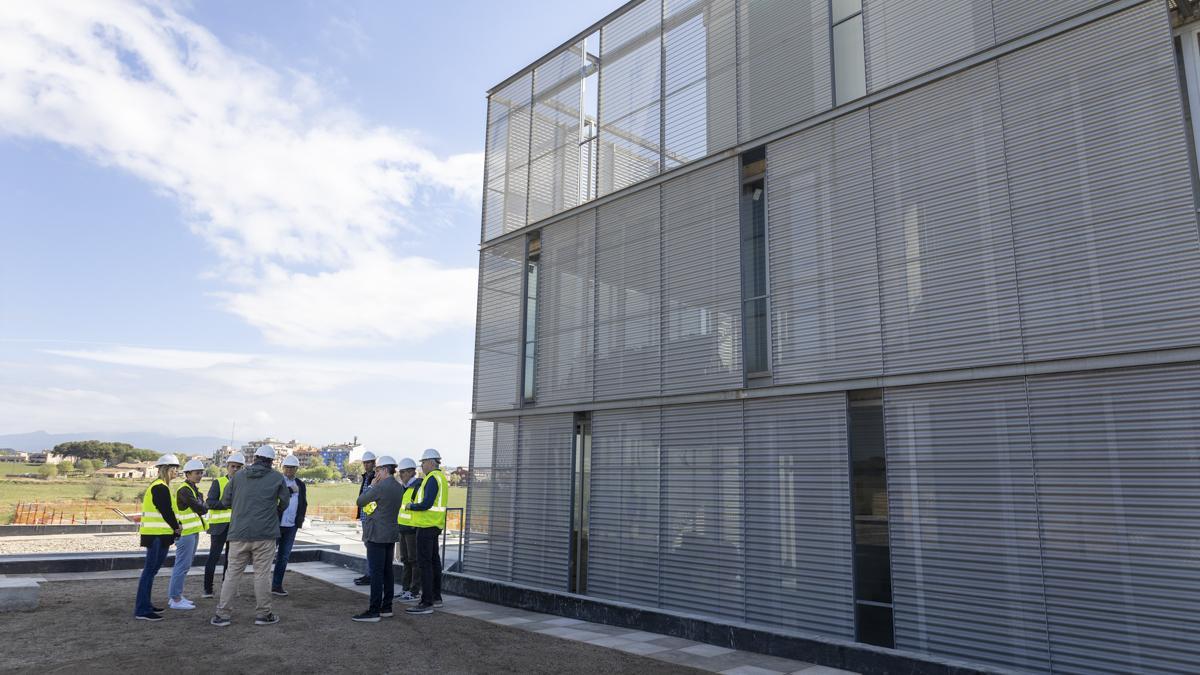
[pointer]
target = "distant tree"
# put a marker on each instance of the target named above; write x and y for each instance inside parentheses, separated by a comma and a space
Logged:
(97, 486)
(66, 467)
(106, 451)
(354, 470)
(317, 472)
(213, 471)
(48, 471)
(336, 472)
(87, 466)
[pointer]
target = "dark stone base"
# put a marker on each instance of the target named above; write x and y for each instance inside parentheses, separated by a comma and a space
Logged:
(852, 656)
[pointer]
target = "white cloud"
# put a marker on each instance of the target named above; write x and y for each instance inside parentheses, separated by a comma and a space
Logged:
(303, 202)
(269, 374)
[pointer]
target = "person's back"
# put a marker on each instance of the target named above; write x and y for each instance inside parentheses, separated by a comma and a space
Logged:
(381, 525)
(257, 493)
(257, 496)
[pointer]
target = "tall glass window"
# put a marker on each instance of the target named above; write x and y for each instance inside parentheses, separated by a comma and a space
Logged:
(872, 543)
(533, 252)
(849, 61)
(581, 496)
(754, 263)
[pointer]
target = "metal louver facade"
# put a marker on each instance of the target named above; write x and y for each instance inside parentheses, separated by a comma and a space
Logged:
(978, 435)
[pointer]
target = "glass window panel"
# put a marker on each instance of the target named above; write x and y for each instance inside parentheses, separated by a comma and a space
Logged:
(755, 316)
(849, 64)
(845, 8)
(875, 625)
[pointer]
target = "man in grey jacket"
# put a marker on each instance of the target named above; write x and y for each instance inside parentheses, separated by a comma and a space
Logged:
(381, 504)
(257, 495)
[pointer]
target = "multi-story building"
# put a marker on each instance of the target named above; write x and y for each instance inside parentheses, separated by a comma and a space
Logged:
(868, 319)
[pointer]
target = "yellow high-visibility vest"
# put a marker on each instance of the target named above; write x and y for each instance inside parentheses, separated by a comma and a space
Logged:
(152, 521)
(190, 522)
(436, 515)
(218, 516)
(406, 517)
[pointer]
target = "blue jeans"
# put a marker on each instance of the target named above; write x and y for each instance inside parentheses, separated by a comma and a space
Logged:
(283, 551)
(185, 550)
(156, 553)
(383, 582)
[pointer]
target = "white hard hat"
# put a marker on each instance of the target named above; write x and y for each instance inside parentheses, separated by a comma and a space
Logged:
(167, 460)
(430, 454)
(385, 460)
(368, 456)
(265, 451)
(237, 458)
(291, 460)
(193, 465)
(407, 463)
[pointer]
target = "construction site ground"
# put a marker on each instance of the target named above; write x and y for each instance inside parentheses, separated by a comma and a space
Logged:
(88, 626)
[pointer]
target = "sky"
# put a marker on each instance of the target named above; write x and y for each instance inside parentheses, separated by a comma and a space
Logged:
(260, 215)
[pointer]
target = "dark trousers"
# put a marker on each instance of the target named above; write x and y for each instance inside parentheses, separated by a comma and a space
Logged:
(410, 577)
(215, 552)
(383, 580)
(430, 563)
(156, 554)
(283, 551)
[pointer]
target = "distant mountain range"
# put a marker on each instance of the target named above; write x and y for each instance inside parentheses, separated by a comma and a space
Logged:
(192, 445)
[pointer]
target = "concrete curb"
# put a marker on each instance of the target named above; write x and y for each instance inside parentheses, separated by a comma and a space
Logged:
(32, 530)
(52, 563)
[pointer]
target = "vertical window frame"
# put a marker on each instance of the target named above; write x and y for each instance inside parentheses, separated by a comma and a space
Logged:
(861, 399)
(762, 266)
(530, 271)
(1189, 44)
(833, 93)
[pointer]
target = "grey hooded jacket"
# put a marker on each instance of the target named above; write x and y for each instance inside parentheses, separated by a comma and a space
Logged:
(257, 495)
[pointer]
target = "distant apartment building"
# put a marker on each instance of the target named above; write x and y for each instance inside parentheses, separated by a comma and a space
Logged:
(338, 454)
(867, 319)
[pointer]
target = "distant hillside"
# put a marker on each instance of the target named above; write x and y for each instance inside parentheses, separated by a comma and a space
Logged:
(192, 445)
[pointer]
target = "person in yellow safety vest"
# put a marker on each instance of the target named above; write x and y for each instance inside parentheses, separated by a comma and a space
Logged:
(158, 529)
(190, 510)
(410, 576)
(429, 509)
(218, 523)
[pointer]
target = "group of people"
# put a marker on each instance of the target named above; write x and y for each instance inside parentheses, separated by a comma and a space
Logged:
(253, 513)
(398, 507)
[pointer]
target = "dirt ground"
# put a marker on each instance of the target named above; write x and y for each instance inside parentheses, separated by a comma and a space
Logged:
(88, 627)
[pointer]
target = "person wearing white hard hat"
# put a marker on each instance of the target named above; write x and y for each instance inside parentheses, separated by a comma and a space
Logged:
(158, 528)
(258, 496)
(290, 522)
(429, 507)
(218, 523)
(368, 474)
(190, 510)
(410, 574)
(381, 502)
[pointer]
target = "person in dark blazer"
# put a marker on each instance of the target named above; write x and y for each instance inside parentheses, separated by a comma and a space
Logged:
(290, 522)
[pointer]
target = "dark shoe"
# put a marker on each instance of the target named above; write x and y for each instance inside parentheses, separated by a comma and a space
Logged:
(278, 591)
(366, 617)
(419, 609)
(157, 609)
(218, 621)
(387, 613)
(206, 594)
(437, 603)
(152, 616)
(266, 620)
(363, 581)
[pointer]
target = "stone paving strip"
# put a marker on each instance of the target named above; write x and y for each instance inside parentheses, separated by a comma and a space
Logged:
(652, 645)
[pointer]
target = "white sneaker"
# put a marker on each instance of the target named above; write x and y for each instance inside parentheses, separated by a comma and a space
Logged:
(181, 604)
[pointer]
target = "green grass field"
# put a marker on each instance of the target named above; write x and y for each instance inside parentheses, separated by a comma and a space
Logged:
(10, 468)
(14, 491)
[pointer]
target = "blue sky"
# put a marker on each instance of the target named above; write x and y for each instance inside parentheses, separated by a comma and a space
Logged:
(257, 213)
